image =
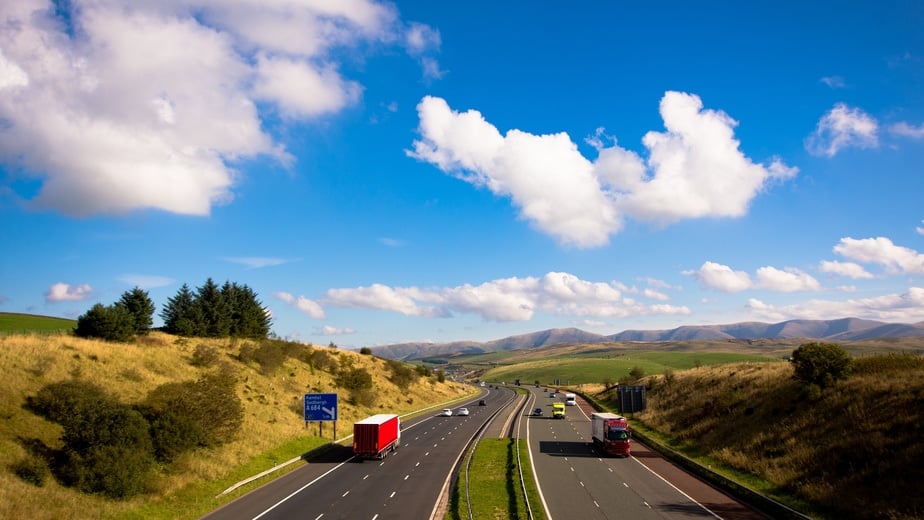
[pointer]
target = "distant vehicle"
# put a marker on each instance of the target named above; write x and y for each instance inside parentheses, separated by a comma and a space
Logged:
(481, 402)
(570, 399)
(552, 395)
(374, 437)
(446, 413)
(482, 383)
(537, 412)
(558, 410)
(462, 411)
(611, 434)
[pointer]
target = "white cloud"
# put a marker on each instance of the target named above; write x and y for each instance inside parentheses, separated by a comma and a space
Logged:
(328, 330)
(907, 307)
(721, 277)
(786, 280)
(920, 229)
(257, 262)
(655, 295)
(840, 128)
(907, 130)
(508, 299)
(881, 251)
(116, 106)
(391, 242)
(147, 281)
(305, 305)
(848, 269)
(62, 292)
(834, 81)
(695, 169)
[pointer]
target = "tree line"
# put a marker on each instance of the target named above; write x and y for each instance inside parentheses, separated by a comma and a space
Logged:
(211, 311)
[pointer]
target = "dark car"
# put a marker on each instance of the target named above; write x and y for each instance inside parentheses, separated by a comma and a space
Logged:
(481, 402)
(537, 411)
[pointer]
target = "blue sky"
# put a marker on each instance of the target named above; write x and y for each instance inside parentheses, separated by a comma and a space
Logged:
(381, 172)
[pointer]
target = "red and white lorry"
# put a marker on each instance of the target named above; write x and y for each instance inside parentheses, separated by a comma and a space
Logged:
(374, 437)
(611, 433)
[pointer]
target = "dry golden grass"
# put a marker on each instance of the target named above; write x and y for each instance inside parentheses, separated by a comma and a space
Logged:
(853, 450)
(272, 405)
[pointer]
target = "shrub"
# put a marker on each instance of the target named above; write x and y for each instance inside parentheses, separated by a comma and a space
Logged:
(821, 364)
(31, 469)
(366, 351)
(401, 375)
(204, 356)
(171, 433)
(211, 404)
(354, 379)
(58, 401)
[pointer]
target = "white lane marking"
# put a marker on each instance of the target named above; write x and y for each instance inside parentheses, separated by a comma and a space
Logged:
(319, 516)
(367, 476)
(299, 490)
(345, 494)
(407, 477)
(691, 499)
(392, 495)
(596, 504)
(418, 464)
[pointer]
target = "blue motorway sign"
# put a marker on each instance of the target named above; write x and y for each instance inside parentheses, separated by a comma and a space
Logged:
(320, 407)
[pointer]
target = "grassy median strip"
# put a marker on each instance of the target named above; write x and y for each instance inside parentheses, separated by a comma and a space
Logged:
(494, 484)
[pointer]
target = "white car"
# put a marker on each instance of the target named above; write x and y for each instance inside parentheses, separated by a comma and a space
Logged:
(462, 411)
(446, 413)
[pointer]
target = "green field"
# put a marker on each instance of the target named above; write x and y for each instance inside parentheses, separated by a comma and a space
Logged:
(25, 323)
(580, 369)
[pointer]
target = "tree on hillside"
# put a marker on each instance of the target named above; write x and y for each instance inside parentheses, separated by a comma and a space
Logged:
(111, 323)
(820, 364)
(181, 314)
(216, 313)
(139, 305)
(248, 317)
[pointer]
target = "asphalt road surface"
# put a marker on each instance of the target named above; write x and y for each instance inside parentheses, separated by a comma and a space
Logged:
(407, 484)
(576, 482)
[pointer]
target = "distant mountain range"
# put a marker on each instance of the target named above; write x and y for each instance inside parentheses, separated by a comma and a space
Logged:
(845, 329)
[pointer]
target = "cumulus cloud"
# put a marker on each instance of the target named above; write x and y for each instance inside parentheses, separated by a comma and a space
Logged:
(907, 307)
(62, 292)
(907, 130)
(694, 169)
(305, 305)
(847, 269)
(840, 128)
(920, 229)
(328, 330)
(881, 251)
(508, 299)
(116, 106)
(723, 278)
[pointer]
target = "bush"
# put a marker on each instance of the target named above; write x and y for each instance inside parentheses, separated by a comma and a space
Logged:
(31, 469)
(204, 356)
(820, 364)
(401, 375)
(366, 351)
(59, 401)
(211, 404)
(171, 433)
(354, 379)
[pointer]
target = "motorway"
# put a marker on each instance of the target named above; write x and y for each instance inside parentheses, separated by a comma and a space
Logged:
(576, 482)
(407, 484)
(413, 482)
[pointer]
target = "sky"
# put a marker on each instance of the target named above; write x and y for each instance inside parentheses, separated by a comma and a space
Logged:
(437, 171)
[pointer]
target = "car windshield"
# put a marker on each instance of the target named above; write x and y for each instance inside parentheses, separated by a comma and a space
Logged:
(618, 435)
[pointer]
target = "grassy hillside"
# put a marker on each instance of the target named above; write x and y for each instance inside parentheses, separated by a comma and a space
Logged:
(854, 450)
(270, 386)
(11, 322)
(610, 366)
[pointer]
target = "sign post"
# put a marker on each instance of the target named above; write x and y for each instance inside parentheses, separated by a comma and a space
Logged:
(321, 407)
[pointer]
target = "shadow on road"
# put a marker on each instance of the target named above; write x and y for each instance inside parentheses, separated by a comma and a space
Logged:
(567, 449)
(329, 453)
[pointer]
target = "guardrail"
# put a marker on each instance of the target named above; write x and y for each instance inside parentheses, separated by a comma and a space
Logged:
(760, 502)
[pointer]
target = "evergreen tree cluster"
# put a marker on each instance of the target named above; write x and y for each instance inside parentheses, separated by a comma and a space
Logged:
(209, 311)
(214, 312)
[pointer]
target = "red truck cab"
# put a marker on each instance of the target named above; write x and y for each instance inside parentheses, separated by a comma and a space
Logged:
(611, 434)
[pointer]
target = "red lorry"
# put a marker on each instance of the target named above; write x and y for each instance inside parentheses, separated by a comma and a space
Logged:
(611, 433)
(375, 436)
